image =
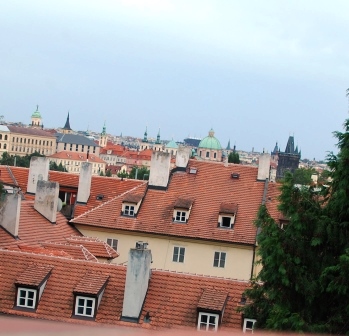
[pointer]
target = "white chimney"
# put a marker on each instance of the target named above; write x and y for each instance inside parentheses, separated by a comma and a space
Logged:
(263, 167)
(46, 199)
(159, 169)
(10, 212)
(182, 157)
(38, 171)
(137, 279)
(85, 179)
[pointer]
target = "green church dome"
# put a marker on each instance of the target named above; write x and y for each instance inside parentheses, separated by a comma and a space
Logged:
(171, 144)
(36, 114)
(210, 142)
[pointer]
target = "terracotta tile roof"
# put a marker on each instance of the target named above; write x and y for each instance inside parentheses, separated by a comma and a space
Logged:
(228, 208)
(97, 247)
(41, 250)
(272, 200)
(33, 275)
(91, 283)
(115, 149)
(212, 299)
(109, 187)
(183, 203)
(211, 186)
(75, 251)
(77, 156)
(171, 300)
(34, 228)
(30, 131)
(100, 185)
(132, 198)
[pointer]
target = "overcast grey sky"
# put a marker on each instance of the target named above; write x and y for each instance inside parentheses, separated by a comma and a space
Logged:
(254, 71)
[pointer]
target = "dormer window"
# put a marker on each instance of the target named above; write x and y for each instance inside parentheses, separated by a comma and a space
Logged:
(30, 286)
(88, 295)
(227, 214)
(129, 210)
(131, 204)
(211, 309)
(182, 209)
(26, 297)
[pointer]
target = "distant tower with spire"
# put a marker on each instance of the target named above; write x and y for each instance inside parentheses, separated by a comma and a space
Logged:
(36, 119)
(66, 129)
(287, 160)
(103, 139)
(158, 146)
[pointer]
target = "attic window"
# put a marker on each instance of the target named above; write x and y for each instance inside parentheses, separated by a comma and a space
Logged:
(88, 294)
(99, 197)
(227, 213)
(235, 175)
(30, 286)
(211, 309)
(182, 209)
(192, 170)
(128, 210)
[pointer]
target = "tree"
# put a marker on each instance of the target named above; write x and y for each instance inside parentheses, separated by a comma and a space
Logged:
(233, 157)
(101, 173)
(122, 174)
(141, 172)
(56, 167)
(108, 173)
(303, 284)
(20, 161)
(303, 175)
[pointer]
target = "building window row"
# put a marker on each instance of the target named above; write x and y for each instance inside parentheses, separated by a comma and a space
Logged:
(30, 141)
(5, 137)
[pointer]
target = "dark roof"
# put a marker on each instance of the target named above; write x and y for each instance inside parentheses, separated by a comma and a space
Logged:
(29, 131)
(75, 139)
(67, 124)
(228, 208)
(132, 198)
(183, 203)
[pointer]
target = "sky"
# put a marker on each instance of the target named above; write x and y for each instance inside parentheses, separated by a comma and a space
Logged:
(254, 71)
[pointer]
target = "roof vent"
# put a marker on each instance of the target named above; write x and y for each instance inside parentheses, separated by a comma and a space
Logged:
(99, 197)
(235, 175)
(193, 170)
(141, 245)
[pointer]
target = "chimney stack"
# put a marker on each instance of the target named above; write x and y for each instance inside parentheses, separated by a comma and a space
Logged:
(10, 212)
(263, 167)
(137, 279)
(182, 157)
(85, 180)
(46, 199)
(159, 170)
(38, 171)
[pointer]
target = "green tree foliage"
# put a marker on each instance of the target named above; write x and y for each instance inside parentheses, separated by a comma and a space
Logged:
(142, 173)
(19, 161)
(56, 167)
(303, 175)
(101, 173)
(303, 284)
(233, 157)
(108, 173)
(123, 174)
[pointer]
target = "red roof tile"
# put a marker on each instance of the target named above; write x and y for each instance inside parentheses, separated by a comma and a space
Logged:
(171, 300)
(96, 246)
(132, 198)
(212, 299)
(91, 283)
(211, 186)
(228, 208)
(77, 156)
(33, 275)
(183, 203)
(30, 131)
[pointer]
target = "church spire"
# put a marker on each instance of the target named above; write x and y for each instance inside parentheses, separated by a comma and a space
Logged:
(158, 138)
(104, 130)
(67, 124)
(228, 147)
(145, 139)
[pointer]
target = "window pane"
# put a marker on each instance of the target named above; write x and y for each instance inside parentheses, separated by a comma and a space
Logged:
(22, 293)
(89, 303)
(204, 318)
(81, 302)
(21, 302)
(89, 311)
(81, 310)
(30, 302)
(212, 320)
(30, 295)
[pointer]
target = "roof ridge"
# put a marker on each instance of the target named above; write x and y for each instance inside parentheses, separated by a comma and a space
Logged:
(88, 255)
(107, 202)
(200, 275)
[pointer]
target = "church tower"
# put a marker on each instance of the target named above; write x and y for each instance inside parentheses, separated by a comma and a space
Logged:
(66, 129)
(36, 118)
(103, 139)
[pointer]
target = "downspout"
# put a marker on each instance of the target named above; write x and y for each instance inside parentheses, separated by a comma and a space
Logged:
(258, 230)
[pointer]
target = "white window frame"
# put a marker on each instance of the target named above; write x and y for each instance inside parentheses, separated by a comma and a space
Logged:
(232, 220)
(84, 306)
(208, 324)
(26, 297)
(180, 216)
(112, 242)
(176, 257)
(220, 261)
(128, 211)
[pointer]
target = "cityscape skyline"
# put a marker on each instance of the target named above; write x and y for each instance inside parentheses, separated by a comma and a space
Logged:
(255, 73)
